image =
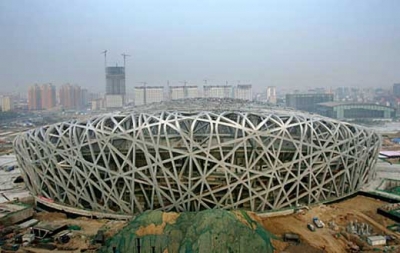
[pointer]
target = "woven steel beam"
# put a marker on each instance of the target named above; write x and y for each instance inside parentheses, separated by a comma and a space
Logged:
(253, 158)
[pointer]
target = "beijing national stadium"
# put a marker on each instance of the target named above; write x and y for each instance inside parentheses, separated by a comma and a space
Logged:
(189, 155)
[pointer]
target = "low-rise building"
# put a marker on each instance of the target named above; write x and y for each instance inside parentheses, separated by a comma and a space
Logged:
(244, 91)
(148, 94)
(349, 110)
(376, 240)
(307, 102)
(97, 104)
(114, 101)
(182, 92)
(218, 91)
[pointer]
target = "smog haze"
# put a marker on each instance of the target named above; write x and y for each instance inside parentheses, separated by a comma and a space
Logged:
(282, 43)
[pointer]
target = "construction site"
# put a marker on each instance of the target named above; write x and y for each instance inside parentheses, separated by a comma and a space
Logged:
(352, 225)
(366, 221)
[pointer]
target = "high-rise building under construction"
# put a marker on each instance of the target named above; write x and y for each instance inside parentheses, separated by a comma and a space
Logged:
(115, 81)
(115, 87)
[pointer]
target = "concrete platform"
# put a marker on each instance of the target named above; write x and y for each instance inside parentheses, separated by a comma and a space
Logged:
(14, 213)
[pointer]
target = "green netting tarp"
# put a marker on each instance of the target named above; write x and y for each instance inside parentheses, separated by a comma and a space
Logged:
(394, 190)
(206, 231)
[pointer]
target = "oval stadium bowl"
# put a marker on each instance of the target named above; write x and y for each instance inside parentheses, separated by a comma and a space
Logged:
(198, 154)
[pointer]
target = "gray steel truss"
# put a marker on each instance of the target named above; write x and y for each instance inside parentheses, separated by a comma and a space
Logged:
(258, 160)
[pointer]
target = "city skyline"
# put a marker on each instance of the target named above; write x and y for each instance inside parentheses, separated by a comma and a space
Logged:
(306, 43)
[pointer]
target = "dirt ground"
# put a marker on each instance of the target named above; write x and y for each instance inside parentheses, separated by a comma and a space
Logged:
(387, 143)
(330, 238)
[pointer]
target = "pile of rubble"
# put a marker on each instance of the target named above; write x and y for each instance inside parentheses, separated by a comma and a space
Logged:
(23, 230)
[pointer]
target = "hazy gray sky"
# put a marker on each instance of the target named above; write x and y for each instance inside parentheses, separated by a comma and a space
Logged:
(300, 43)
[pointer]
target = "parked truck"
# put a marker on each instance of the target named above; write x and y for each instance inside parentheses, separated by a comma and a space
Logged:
(318, 223)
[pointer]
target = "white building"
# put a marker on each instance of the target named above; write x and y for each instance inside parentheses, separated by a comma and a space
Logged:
(179, 92)
(148, 94)
(271, 94)
(244, 91)
(7, 104)
(376, 240)
(97, 104)
(218, 91)
(114, 101)
(139, 95)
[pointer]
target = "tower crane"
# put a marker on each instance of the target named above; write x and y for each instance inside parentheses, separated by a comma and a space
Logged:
(105, 57)
(124, 56)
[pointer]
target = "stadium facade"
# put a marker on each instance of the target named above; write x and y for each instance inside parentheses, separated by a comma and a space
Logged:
(197, 154)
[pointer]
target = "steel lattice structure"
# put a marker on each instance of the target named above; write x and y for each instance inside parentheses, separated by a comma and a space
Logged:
(252, 157)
